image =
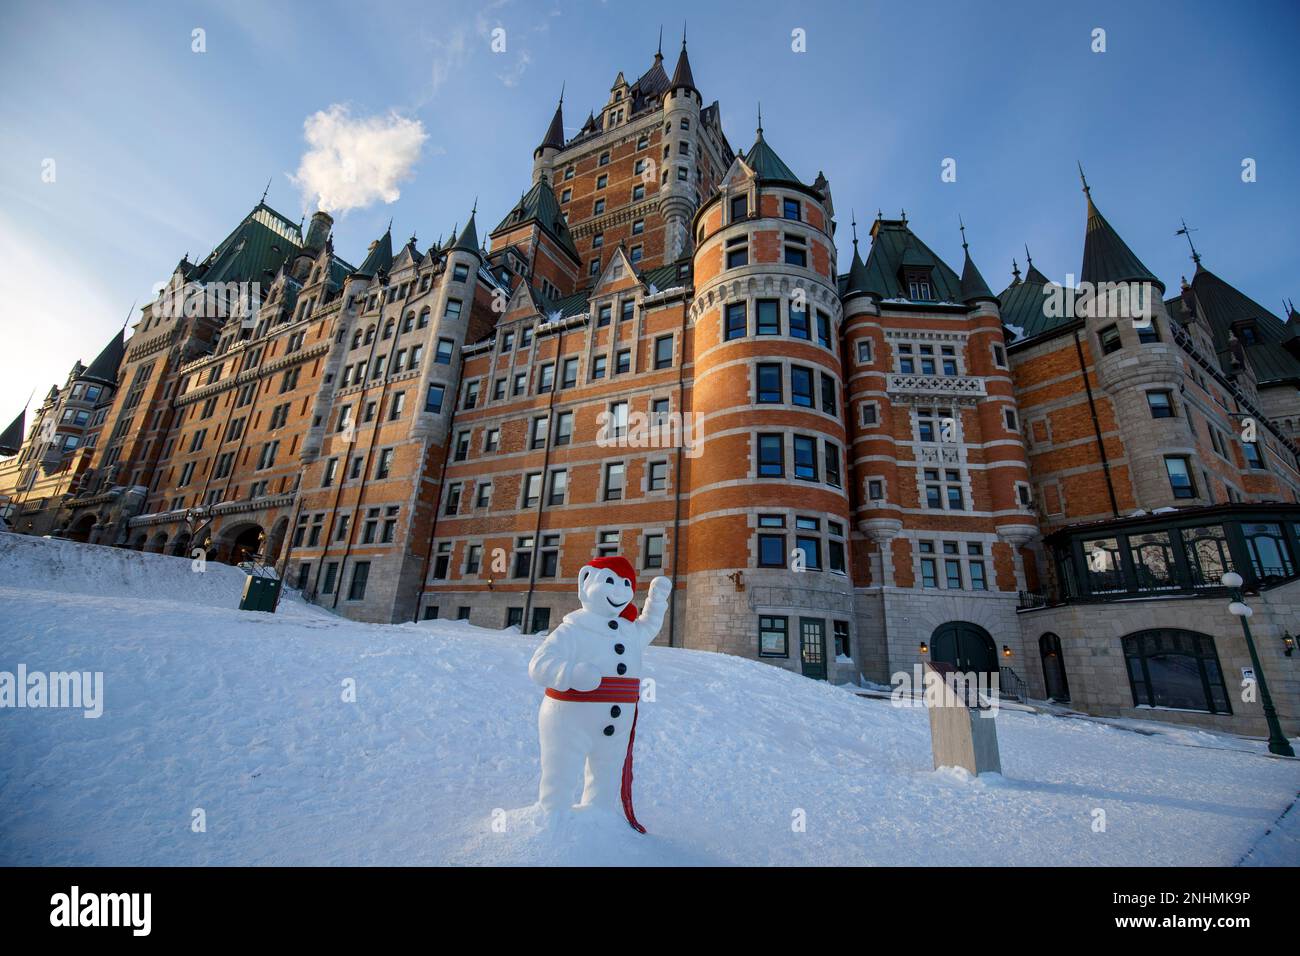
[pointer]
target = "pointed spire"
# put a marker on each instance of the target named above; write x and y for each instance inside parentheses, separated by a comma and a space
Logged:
(1106, 258)
(554, 138)
(262, 201)
(467, 241)
(682, 76)
(1015, 272)
(1029, 260)
(659, 50)
(1084, 179)
(104, 367)
(380, 257)
(973, 286)
(760, 119)
(11, 439)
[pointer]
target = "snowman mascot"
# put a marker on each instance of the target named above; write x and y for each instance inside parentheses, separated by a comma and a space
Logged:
(591, 668)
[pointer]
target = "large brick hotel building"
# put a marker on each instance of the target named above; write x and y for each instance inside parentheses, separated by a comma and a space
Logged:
(654, 355)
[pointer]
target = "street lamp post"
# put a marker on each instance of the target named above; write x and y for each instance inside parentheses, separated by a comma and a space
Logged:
(1277, 742)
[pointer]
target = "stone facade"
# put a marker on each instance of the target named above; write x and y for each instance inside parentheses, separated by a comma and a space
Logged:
(844, 474)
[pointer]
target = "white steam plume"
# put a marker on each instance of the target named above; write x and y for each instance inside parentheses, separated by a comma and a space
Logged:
(353, 162)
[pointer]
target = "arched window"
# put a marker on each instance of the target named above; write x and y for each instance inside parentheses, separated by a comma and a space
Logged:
(370, 334)
(388, 329)
(424, 317)
(409, 322)
(356, 339)
(1169, 667)
(1049, 648)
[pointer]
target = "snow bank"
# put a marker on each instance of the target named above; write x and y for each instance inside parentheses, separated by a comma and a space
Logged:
(53, 564)
(248, 717)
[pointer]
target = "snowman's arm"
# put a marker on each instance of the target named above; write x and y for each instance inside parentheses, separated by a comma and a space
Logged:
(553, 661)
(656, 606)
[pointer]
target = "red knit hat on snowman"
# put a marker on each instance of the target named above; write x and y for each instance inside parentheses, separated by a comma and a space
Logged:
(623, 568)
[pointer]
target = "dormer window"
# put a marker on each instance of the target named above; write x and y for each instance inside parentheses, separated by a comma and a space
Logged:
(739, 208)
(918, 287)
(1247, 333)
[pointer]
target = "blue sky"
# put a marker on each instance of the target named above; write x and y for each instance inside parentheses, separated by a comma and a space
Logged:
(159, 150)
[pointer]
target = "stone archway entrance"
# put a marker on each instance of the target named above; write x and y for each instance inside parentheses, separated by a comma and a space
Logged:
(966, 646)
(81, 528)
(239, 543)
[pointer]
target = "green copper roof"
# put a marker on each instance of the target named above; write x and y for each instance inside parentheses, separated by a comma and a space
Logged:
(762, 159)
(1106, 258)
(555, 132)
(254, 251)
(1025, 309)
(894, 246)
(540, 205)
(857, 279)
(11, 439)
(682, 75)
(467, 241)
(1223, 306)
(973, 286)
(104, 367)
(380, 257)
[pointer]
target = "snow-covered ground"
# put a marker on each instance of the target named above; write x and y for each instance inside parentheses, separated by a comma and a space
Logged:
(243, 716)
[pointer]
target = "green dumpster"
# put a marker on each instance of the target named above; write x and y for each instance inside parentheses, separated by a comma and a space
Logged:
(261, 593)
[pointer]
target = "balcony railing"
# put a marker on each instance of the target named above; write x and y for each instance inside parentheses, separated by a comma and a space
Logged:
(936, 385)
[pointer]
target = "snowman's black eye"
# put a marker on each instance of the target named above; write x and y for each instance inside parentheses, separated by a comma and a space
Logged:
(609, 580)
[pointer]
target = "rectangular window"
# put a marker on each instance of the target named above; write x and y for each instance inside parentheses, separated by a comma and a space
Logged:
(812, 551)
(559, 487)
(564, 428)
(1109, 337)
(598, 366)
(801, 386)
(614, 481)
(790, 209)
(433, 400)
(658, 478)
(664, 351)
(977, 581)
(453, 309)
(532, 489)
(829, 403)
(1161, 404)
(805, 458)
(773, 636)
(738, 252)
(1180, 477)
(799, 327)
(331, 576)
(739, 208)
(1254, 458)
(360, 574)
(737, 323)
(831, 457)
(769, 317)
(771, 456)
(654, 551)
(769, 387)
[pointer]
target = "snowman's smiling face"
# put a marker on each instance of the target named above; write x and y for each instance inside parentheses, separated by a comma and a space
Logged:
(603, 592)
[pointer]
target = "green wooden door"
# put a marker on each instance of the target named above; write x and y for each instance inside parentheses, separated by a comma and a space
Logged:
(967, 647)
(812, 647)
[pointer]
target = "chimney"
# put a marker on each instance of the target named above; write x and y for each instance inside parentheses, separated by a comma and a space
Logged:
(319, 230)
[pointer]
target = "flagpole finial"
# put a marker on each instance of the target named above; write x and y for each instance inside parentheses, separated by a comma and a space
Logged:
(853, 219)
(760, 118)
(1084, 179)
(961, 226)
(659, 51)
(265, 191)
(1029, 260)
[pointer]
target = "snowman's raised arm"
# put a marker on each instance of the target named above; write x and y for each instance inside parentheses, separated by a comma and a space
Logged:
(654, 609)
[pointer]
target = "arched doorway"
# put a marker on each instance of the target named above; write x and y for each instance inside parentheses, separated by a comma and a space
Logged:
(966, 646)
(276, 542)
(138, 540)
(1049, 647)
(81, 528)
(240, 543)
(180, 545)
(158, 543)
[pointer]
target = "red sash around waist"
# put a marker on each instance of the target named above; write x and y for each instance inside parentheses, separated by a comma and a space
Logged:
(612, 690)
